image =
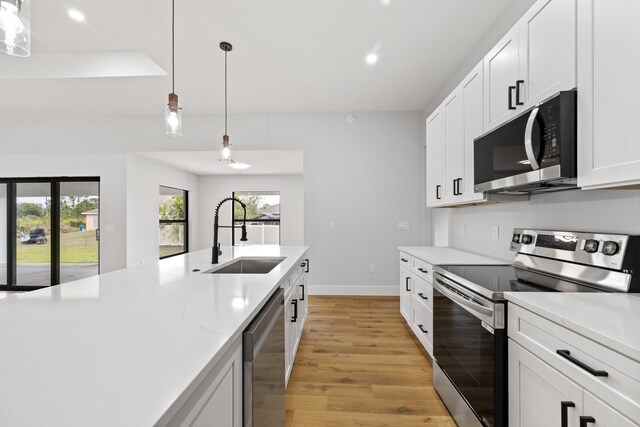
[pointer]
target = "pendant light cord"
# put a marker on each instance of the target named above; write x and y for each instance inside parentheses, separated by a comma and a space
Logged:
(173, 46)
(225, 92)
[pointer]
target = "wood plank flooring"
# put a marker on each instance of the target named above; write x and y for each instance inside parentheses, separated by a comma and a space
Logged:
(359, 365)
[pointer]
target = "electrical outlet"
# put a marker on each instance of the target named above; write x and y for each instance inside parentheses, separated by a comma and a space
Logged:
(372, 268)
(495, 232)
(462, 229)
(332, 226)
(403, 225)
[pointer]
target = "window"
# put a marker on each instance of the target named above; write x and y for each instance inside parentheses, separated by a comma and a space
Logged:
(263, 217)
(174, 231)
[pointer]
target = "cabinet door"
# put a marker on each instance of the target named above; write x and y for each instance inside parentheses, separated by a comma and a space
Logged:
(435, 158)
(547, 50)
(608, 107)
(453, 144)
(473, 100)
(603, 414)
(501, 73)
(405, 294)
(536, 392)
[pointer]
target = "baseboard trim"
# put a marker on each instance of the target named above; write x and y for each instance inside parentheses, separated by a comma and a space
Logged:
(355, 290)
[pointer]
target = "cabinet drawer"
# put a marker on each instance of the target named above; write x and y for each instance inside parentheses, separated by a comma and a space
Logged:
(423, 269)
(422, 324)
(621, 384)
(423, 293)
(405, 259)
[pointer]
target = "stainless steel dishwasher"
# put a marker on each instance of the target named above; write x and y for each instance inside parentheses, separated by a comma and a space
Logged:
(263, 356)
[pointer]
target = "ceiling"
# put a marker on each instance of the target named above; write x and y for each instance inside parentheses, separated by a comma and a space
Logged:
(289, 55)
(202, 163)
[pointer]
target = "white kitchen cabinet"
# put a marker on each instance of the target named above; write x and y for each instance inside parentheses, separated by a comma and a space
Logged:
(296, 310)
(453, 110)
(217, 401)
(550, 364)
(608, 93)
(547, 50)
(603, 414)
(536, 392)
(534, 60)
(405, 294)
(500, 75)
(435, 157)
(473, 116)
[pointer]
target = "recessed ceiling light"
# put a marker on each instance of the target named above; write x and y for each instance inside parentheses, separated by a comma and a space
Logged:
(76, 15)
(372, 58)
(239, 165)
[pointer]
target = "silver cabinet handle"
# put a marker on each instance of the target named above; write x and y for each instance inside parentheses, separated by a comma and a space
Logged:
(528, 135)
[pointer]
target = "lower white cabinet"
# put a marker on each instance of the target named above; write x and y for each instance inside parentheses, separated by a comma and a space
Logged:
(217, 400)
(416, 298)
(560, 378)
(295, 315)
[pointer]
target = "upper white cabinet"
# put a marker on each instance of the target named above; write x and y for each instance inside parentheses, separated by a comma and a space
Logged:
(534, 60)
(608, 93)
(435, 157)
(547, 38)
(453, 109)
(473, 114)
(500, 77)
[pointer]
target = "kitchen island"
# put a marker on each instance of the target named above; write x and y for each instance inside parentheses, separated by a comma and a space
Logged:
(127, 348)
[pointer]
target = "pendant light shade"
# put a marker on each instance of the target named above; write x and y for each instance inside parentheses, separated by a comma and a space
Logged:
(226, 146)
(15, 27)
(173, 113)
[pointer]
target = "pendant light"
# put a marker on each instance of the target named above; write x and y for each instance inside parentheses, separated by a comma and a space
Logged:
(173, 114)
(226, 149)
(15, 34)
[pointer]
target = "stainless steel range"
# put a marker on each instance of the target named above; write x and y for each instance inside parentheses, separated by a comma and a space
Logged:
(470, 337)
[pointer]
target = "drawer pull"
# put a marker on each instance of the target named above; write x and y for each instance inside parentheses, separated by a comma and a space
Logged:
(422, 329)
(564, 417)
(421, 295)
(586, 420)
(567, 355)
(421, 270)
(406, 284)
(404, 260)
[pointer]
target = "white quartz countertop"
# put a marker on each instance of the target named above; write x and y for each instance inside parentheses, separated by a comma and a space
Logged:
(449, 256)
(609, 319)
(120, 348)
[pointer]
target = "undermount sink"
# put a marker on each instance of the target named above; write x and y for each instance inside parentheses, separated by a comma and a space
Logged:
(258, 265)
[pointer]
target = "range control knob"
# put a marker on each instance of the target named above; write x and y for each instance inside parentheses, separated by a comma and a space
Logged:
(610, 248)
(591, 246)
(516, 238)
(526, 239)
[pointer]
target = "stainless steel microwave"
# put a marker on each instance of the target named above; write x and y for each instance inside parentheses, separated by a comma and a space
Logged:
(534, 152)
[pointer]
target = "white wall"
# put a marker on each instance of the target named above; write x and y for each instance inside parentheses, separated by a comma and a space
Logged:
(215, 188)
(576, 210)
(111, 168)
(144, 177)
(365, 176)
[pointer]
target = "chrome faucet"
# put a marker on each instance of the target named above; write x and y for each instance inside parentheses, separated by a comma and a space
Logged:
(215, 250)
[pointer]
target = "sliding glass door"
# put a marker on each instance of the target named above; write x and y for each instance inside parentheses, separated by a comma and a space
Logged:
(48, 231)
(33, 233)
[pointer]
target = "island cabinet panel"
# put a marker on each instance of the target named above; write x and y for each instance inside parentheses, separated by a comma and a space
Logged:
(217, 400)
(296, 308)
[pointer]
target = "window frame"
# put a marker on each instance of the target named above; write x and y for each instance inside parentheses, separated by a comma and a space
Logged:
(184, 221)
(265, 221)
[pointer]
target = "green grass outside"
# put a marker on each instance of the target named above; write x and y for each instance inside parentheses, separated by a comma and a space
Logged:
(75, 247)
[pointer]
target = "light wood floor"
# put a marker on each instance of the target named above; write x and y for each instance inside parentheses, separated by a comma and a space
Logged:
(358, 365)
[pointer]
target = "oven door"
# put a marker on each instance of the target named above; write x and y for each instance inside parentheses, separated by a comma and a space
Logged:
(470, 352)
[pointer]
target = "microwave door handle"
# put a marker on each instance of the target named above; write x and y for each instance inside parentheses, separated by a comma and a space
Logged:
(528, 143)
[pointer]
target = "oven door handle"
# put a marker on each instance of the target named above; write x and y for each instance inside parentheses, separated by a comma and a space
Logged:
(444, 286)
(528, 136)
